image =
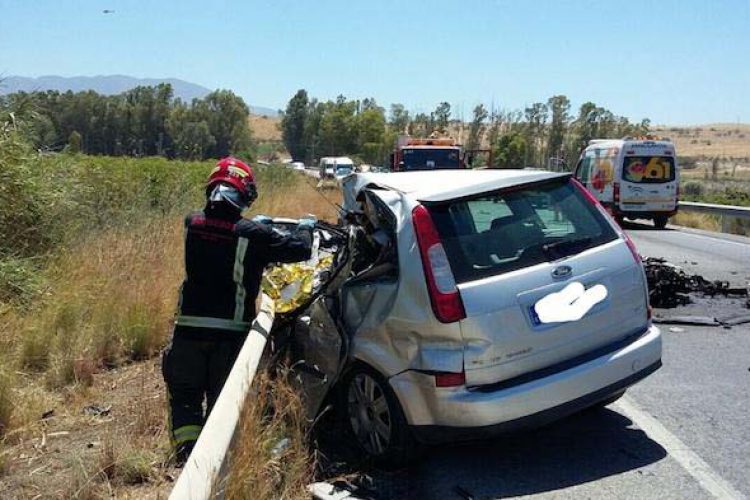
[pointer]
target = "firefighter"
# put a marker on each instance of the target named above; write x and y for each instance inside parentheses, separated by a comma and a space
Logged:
(225, 255)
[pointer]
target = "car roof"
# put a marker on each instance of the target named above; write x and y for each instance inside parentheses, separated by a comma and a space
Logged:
(441, 185)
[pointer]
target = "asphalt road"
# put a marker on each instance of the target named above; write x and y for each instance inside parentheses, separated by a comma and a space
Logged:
(715, 256)
(682, 433)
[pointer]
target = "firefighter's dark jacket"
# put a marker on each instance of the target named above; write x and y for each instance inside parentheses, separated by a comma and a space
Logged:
(225, 255)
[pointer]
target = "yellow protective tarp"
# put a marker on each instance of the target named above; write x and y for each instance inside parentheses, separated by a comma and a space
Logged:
(290, 285)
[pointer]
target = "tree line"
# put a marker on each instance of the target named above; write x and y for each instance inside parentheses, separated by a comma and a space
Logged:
(541, 134)
(144, 121)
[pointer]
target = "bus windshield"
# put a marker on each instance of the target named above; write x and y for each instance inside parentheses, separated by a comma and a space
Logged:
(648, 169)
(431, 159)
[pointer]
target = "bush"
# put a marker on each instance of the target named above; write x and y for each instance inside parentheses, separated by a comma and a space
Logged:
(121, 463)
(135, 467)
(52, 202)
(20, 280)
(693, 189)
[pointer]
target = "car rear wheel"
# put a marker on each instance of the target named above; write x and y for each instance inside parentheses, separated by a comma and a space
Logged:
(660, 221)
(376, 419)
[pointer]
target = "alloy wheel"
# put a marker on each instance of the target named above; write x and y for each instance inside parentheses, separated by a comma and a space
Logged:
(369, 414)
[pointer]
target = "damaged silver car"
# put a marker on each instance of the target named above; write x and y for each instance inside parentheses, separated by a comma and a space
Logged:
(425, 323)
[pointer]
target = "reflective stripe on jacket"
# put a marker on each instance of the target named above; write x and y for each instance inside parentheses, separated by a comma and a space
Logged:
(224, 260)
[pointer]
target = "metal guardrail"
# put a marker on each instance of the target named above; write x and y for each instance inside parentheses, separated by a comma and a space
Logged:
(208, 463)
(725, 212)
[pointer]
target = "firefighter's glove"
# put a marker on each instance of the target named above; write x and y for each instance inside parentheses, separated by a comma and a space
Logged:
(307, 223)
(262, 219)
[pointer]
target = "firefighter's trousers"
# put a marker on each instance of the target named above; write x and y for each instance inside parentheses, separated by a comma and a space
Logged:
(195, 371)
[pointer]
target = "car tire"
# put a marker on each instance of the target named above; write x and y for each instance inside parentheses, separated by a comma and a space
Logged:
(660, 221)
(374, 416)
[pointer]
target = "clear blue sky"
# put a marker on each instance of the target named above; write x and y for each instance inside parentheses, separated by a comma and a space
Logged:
(675, 61)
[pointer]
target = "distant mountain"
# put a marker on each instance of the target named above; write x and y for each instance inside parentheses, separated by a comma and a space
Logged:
(261, 111)
(104, 84)
(108, 85)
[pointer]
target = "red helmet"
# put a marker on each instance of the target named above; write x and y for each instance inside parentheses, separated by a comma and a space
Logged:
(237, 174)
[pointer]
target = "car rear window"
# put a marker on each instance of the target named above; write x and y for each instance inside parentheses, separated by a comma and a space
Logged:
(648, 169)
(503, 231)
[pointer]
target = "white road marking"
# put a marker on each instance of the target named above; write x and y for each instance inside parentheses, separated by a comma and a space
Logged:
(687, 458)
(715, 239)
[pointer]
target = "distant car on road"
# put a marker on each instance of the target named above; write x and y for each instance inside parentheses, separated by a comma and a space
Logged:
(330, 165)
(298, 165)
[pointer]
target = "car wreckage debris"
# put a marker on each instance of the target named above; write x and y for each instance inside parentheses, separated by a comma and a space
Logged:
(726, 322)
(669, 285)
(687, 320)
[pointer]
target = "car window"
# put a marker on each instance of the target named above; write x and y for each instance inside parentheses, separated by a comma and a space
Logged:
(504, 231)
(648, 169)
(584, 171)
(483, 212)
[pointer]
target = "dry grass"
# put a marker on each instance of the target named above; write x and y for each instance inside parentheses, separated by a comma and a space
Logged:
(722, 140)
(272, 459)
(265, 128)
(109, 303)
(72, 454)
(297, 200)
(114, 297)
(7, 401)
(697, 220)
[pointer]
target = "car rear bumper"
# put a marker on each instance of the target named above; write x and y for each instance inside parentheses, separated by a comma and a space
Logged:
(454, 414)
(642, 212)
(646, 212)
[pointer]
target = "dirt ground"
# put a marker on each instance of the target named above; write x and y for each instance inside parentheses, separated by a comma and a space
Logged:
(105, 441)
(723, 140)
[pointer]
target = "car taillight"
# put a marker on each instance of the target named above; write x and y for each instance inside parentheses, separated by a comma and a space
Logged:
(616, 192)
(448, 379)
(444, 295)
(590, 197)
(632, 248)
